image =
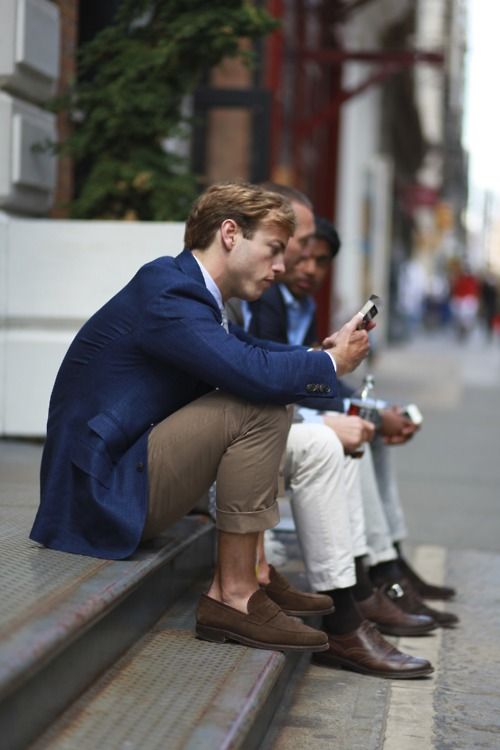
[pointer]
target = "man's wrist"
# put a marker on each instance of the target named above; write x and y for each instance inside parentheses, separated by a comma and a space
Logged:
(311, 349)
(332, 358)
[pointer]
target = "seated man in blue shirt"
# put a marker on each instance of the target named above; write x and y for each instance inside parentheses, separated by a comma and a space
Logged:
(286, 312)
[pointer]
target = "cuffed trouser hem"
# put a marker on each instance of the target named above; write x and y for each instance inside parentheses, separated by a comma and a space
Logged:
(386, 555)
(361, 550)
(399, 538)
(248, 522)
(329, 581)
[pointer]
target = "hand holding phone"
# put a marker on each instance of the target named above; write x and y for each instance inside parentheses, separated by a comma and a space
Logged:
(369, 310)
(413, 413)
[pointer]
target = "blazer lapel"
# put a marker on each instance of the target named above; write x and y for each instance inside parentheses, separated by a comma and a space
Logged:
(190, 267)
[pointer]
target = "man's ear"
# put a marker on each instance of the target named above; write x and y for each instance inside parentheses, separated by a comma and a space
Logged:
(228, 232)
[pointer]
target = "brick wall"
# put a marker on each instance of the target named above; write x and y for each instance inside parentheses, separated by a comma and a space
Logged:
(68, 46)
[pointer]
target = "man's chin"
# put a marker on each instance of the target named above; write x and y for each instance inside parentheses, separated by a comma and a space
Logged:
(256, 293)
(300, 293)
(254, 296)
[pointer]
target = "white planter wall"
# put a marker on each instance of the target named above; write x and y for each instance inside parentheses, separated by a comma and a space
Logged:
(53, 276)
(27, 176)
(29, 69)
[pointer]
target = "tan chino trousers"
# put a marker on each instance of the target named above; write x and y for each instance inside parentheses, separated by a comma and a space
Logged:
(217, 437)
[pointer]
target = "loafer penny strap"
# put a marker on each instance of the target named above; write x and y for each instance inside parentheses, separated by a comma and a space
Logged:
(261, 609)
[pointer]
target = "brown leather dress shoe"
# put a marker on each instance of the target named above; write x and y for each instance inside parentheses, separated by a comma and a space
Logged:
(295, 602)
(389, 619)
(366, 651)
(406, 598)
(264, 626)
(424, 589)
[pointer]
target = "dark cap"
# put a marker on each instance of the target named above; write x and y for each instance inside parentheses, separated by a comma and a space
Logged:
(326, 231)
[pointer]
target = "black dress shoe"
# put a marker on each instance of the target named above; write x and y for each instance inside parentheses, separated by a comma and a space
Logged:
(406, 598)
(390, 619)
(424, 589)
(366, 651)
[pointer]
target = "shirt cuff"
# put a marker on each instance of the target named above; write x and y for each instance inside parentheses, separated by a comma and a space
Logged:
(310, 416)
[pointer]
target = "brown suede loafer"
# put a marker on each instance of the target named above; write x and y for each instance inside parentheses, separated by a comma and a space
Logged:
(295, 602)
(391, 620)
(406, 598)
(264, 626)
(366, 651)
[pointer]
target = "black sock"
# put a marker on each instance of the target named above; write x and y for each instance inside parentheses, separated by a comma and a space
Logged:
(385, 572)
(346, 617)
(363, 587)
(397, 547)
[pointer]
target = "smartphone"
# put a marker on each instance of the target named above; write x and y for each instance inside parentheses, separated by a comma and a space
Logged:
(369, 310)
(413, 413)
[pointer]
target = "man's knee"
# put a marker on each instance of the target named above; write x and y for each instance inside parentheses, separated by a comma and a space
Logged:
(277, 417)
(315, 442)
(272, 416)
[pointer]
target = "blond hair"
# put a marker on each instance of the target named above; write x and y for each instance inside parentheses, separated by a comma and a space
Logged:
(248, 205)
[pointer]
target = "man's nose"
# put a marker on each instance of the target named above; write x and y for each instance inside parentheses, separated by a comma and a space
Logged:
(309, 266)
(279, 263)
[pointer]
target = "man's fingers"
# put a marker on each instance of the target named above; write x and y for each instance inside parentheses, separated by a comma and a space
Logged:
(354, 322)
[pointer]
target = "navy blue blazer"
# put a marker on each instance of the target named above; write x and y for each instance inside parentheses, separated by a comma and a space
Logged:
(153, 348)
(269, 321)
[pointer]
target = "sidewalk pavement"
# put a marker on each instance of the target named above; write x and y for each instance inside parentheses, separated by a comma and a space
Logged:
(450, 479)
(450, 473)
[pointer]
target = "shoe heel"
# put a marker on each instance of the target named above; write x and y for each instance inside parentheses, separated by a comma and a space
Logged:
(210, 634)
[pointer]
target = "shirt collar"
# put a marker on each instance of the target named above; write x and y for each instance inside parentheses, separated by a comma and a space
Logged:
(210, 284)
(306, 303)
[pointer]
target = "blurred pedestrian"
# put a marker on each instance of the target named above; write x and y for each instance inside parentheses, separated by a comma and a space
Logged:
(412, 289)
(464, 301)
(489, 301)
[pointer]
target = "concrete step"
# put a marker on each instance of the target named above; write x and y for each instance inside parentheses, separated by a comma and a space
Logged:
(171, 690)
(66, 618)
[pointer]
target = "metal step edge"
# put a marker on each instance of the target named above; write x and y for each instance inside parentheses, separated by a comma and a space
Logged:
(54, 660)
(42, 633)
(234, 711)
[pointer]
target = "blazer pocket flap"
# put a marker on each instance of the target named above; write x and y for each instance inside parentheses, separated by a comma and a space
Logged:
(97, 464)
(111, 433)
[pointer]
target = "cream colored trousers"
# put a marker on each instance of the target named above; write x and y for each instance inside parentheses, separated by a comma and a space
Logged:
(325, 497)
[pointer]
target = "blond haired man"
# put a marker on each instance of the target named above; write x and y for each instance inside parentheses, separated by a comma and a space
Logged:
(157, 397)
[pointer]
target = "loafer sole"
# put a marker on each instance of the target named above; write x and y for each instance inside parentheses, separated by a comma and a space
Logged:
(410, 630)
(436, 597)
(218, 635)
(339, 662)
(308, 612)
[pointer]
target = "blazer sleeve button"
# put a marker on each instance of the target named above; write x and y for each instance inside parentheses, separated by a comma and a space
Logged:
(140, 466)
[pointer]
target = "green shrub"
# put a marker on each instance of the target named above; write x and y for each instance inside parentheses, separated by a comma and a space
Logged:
(132, 81)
